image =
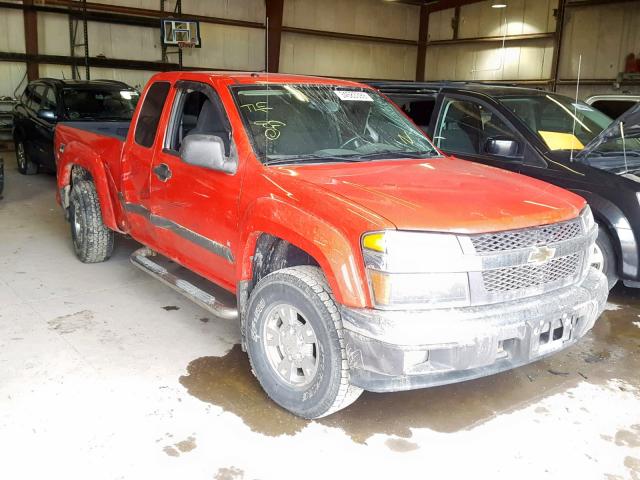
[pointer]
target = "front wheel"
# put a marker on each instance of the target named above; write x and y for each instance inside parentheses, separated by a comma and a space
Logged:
(603, 258)
(92, 240)
(25, 165)
(295, 343)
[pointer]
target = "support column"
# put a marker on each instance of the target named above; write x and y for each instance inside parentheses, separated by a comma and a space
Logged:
(557, 44)
(423, 36)
(31, 38)
(273, 34)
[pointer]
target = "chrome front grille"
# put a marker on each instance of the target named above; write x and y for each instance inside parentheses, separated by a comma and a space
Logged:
(527, 276)
(525, 238)
(508, 265)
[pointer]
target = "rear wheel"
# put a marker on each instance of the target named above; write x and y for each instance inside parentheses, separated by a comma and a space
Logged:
(92, 240)
(25, 165)
(295, 343)
(603, 258)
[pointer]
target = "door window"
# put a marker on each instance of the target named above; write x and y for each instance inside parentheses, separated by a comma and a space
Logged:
(149, 117)
(466, 127)
(36, 96)
(49, 101)
(197, 110)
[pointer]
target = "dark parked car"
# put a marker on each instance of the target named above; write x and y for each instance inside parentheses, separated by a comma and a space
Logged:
(543, 135)
(47, 101)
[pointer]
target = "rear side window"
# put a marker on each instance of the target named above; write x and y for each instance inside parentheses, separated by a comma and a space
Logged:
(419, 110)
(149, 117)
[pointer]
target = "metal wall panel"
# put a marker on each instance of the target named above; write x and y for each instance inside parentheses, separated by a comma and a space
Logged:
(53, 34)
(227, 47)
(123, 41)
(604, 35)
(12, 28)
(346, 58)
(362, 17)
(13, 75)
(519, 60)
(440, 25)
(135, 78)
(250, 10)
(527, 60)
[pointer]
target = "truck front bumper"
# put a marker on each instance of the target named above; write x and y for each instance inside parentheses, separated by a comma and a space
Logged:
(404, 350)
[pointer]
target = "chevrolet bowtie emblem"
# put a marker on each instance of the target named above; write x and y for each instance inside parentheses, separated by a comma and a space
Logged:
(541, 254)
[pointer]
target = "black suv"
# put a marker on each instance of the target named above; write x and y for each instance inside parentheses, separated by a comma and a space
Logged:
(542, 135)
(47, 101)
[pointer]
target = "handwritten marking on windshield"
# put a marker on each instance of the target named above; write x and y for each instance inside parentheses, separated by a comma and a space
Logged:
(257, 107)
(405, 138)
(271, 128)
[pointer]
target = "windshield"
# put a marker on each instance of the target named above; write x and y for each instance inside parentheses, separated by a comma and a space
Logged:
(296, 123)
(562, 123)
(99, 104)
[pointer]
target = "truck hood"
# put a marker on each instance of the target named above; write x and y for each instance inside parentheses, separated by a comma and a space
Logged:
(444, 194)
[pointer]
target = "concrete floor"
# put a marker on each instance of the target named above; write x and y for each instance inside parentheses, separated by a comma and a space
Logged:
(107, 374)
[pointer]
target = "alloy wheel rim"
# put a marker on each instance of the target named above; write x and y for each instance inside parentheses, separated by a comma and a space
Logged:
(291, 345)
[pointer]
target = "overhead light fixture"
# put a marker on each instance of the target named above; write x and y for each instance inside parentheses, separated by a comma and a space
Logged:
(499, 4)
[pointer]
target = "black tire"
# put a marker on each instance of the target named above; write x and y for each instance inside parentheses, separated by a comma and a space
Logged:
(306, 289)
(609, 263)
(1, 176)
(92, 240)
(25, 165)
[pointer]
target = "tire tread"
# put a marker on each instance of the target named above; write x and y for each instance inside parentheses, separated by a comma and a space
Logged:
(99, 239)
(314, 278)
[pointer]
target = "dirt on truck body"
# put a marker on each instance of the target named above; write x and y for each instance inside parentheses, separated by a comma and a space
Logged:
(360, 256)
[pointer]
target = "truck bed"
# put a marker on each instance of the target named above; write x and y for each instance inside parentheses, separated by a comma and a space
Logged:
(105, 140)
(117, 130)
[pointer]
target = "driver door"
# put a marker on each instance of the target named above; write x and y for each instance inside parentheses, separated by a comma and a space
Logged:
(196, 208)
(474, 131)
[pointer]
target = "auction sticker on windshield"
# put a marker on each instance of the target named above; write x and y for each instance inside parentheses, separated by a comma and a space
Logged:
(353, 96)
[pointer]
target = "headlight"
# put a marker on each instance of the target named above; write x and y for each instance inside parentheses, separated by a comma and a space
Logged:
(415, 269)
(586, 217)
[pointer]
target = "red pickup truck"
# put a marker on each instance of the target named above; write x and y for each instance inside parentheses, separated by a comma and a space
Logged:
(360, 256)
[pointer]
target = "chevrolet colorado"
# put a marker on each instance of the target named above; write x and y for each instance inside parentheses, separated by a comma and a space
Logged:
(360, 256)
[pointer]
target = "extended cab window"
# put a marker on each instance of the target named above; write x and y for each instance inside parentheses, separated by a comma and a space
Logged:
(149, 117)
(197, 110)
(466, 127)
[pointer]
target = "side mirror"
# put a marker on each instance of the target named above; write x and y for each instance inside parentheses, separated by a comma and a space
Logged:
(48, 115)
(207, 151)
(502, 147)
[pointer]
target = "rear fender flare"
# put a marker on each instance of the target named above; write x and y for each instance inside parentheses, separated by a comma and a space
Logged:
(77, 155)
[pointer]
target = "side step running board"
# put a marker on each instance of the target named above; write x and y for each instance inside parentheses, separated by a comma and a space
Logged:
(140, 258)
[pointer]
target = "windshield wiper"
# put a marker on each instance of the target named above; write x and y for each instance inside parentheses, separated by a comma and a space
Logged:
(397, 154)
(311, 159)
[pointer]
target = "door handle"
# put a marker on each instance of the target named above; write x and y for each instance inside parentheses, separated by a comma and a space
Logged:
(162, 171)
